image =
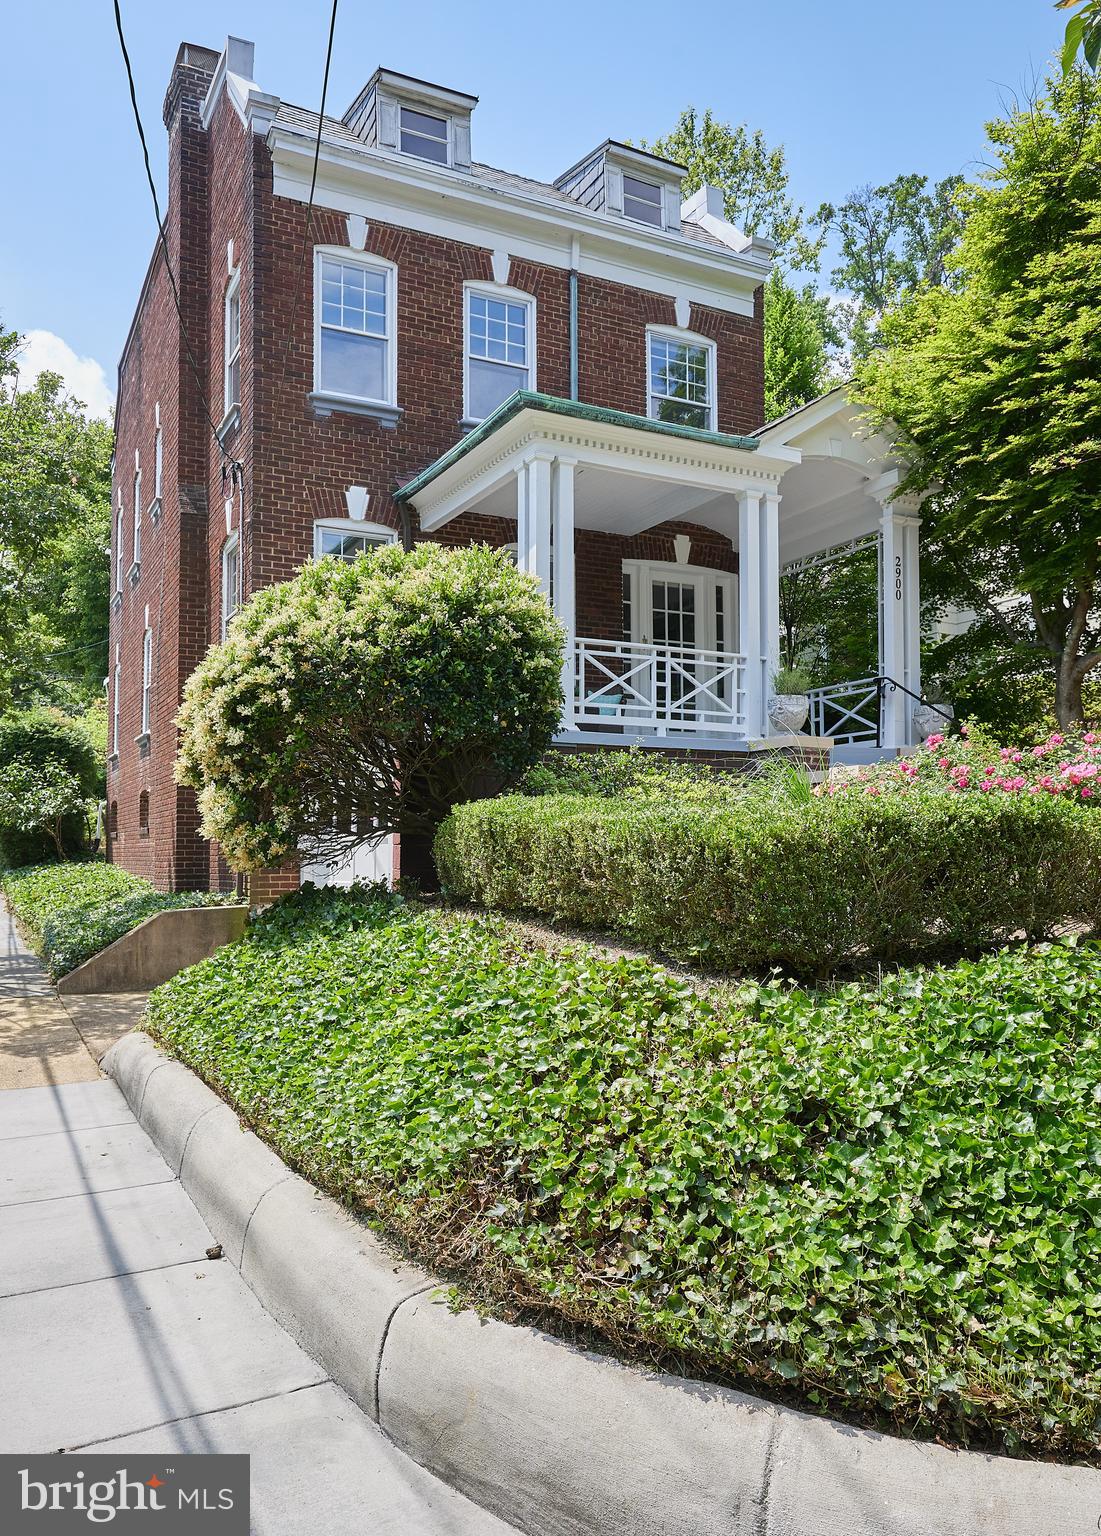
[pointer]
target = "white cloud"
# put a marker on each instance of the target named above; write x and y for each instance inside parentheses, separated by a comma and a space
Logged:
(84, 378)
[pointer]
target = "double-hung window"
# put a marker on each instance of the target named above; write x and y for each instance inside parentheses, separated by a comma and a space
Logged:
(146, 678)
(642, 200)
(116, 690)
(347, 539)
(137, 519)
(158, 464)
(355, 356)
(231, 580)
(681, 379)
(500, 348)
(120, 526)
(424, 135)
(233, 343)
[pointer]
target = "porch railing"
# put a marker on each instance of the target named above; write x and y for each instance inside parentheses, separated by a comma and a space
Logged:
(628, 685)
(848, 712)
(853, 712)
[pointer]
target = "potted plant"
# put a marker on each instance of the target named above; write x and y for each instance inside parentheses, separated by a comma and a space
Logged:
(933, 713)
(789, 705)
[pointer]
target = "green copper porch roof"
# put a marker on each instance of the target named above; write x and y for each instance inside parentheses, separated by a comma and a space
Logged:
(527, 399)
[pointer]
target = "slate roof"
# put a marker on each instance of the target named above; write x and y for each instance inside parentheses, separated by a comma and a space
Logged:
(299, 119)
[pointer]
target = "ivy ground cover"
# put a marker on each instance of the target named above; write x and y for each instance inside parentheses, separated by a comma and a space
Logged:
(883, 1203)
(69, 912)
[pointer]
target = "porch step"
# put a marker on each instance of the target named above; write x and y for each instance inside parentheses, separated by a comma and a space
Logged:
(859, 754)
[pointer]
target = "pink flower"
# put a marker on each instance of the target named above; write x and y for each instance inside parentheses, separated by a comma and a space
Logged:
(1056, 740)
(942, 763)
(965, 730)
(1089, 738)
(1036, 752)
(989, 772)
(1087, 792)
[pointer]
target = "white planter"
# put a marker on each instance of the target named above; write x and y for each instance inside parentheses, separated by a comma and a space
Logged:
(928, 720)
(787, 712)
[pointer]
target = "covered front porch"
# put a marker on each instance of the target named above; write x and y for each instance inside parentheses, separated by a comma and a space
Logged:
(660, 548)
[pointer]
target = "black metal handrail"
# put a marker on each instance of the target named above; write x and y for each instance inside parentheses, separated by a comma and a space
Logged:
(883, 684)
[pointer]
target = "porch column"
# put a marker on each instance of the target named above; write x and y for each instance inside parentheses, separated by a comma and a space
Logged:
(750, 586)
(770, 593)
(533, 520)
(562, 552)
(899, 612)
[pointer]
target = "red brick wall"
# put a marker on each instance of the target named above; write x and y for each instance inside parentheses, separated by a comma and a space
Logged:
(296, 466)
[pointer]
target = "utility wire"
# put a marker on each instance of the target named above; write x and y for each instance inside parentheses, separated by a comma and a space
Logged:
(309, 205)
(235, 466)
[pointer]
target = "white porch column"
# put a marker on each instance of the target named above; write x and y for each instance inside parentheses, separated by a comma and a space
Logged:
(534, 539)
(899, 613)
(770, 592)
(750, 556)
(563, 563)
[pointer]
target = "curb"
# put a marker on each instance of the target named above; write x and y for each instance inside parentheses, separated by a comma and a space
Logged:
(549, 1437)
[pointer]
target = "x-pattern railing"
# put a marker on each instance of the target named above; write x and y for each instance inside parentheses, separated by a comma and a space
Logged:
(660, 687)
(847, 712)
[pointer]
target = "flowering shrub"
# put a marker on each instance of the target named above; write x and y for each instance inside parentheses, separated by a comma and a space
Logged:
(1067, 766)
(369, 697)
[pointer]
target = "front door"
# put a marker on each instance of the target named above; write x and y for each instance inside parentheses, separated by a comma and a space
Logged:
(686, 612)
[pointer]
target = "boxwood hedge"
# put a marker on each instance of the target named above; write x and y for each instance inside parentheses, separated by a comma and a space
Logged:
(69, 912)
(760, 880)
(886, 1201)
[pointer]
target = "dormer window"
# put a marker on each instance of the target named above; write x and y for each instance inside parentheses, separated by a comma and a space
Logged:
(642, 200)
(423, 135)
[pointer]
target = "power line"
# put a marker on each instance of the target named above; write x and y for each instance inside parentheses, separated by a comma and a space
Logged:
(313, 188)
(164, 238)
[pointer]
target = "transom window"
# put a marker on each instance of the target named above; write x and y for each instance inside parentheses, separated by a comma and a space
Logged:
(423, 135)
(682, 386)
(355, 337)
(348, 540)
(642, 200)
(233, 343)
(500, 350)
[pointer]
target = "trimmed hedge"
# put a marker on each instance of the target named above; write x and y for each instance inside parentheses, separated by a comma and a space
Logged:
(885, 1200)
(69, 912)
(766, 881)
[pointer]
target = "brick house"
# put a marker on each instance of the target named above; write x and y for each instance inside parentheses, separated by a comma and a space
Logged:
(440, 349)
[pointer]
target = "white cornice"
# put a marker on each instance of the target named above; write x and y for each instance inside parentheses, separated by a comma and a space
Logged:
(389, 188)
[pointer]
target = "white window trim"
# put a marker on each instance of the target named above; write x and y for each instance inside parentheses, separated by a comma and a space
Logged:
(694, 339)
(379, 533)
(511, 296)
(120, 534)
(158, 464)
(116, 676)
(389, 270)
(233, 290)
(648, 181)
(426, 111)
(232, 545)
(135, 566)
(146, 680)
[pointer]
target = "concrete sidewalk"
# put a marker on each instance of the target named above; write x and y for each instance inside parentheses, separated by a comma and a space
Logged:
(120, 1333)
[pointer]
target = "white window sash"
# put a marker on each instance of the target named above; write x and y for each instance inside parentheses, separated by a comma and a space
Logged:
(685, 339)
(388, 336)
(371, 533)
(146, 678)
(232, 352)
(505, 296)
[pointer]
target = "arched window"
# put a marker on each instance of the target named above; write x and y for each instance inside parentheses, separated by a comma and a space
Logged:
(143, 813)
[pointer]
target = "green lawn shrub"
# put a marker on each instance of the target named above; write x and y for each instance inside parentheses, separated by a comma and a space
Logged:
(885, 1200)
(48, 739)
(69, 912)
(765, 879)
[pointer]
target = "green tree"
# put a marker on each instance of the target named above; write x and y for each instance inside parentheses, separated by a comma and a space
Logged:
(1083, 32)
(55, 491)
(894, 239)
(799, 333)
(995, 385)
(752, 176)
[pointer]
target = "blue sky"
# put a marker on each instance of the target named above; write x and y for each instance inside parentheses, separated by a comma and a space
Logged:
(857, 91)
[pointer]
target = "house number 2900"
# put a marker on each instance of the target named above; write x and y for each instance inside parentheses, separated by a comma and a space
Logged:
(898, 578)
